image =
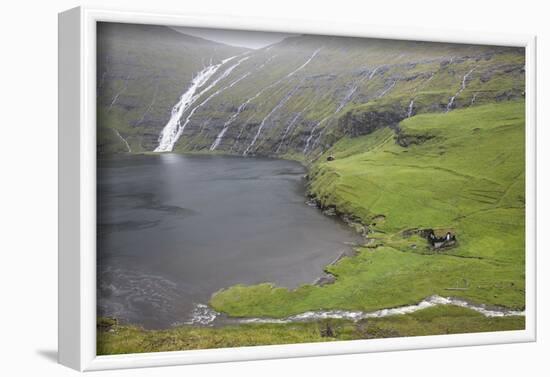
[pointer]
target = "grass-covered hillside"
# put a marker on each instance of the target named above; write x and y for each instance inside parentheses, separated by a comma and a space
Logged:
(402, 139)
(462, 172)
(294, 99)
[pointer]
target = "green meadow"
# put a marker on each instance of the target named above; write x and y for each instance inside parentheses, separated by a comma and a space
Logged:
(462, 171)
(120, 339)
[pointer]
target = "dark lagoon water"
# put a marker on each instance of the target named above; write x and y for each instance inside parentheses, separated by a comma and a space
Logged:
(173, 229)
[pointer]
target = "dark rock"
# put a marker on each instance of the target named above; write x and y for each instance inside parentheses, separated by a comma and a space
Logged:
(356, 123)
(406, 140)
(325, 279)
(331, 211)
(328, 332)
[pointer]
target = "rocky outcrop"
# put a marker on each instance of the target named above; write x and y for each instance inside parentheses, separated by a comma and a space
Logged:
(406, 140)
(359, 123)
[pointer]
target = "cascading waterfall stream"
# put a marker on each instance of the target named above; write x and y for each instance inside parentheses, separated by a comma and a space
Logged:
(374, 72)
(123, 140)
(388, 89)
(347, 100)
(308, 140)
(169, 134)
(153, 100)
(282, 102)
(240, 109)
(421, 86)
(115, 98)
(287, 130)
(306, 63)
(226, 73)
(293, 122)
(410, 110)
(226, 125)
(462, 87)
(268, 60)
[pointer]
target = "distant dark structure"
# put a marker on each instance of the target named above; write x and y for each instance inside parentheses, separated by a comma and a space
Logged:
(331, 158)
(440, 242)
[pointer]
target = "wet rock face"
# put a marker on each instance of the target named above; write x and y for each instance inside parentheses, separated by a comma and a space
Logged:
(325, 280)
(142, 70)
(299, 96)
(356, 124)
(408, 140)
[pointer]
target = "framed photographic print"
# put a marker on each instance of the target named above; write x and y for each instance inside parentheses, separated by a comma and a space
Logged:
(236, 189)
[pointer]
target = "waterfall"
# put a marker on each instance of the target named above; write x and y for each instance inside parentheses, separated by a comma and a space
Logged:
(308, 140)
(150, 105)
(388, 89)
(262, 123)
(462, 87)
(240, 109)
(169, 134)
(374, 72)
(306, 63)
(287, 129)
(282, 102)
(243, 106)
(227, 123)
(267, 61)
(224, 75)
(410, 111)
(123, 140)
(347, 98)
(115, 98)
(421, 86)
(238, 137)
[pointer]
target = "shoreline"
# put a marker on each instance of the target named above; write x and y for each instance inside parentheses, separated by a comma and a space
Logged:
(326, 278)
(322, 277)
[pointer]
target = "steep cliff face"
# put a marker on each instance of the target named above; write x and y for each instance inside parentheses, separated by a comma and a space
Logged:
(295, 98)
(142, 71)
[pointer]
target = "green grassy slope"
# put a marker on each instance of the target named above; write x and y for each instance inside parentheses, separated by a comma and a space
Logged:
(461, 171)
(114, 339)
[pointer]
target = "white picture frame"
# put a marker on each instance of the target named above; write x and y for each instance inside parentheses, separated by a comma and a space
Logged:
(77, 190)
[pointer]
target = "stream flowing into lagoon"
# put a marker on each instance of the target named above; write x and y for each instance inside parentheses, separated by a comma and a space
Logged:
(206, 316)
(173, 229)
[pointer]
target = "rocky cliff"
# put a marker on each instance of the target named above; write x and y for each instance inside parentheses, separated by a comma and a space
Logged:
(295, 98)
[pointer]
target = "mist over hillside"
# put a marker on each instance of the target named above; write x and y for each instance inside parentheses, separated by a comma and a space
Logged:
(159, 89)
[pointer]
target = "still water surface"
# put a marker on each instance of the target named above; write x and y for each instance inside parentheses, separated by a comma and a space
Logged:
(173, 229)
